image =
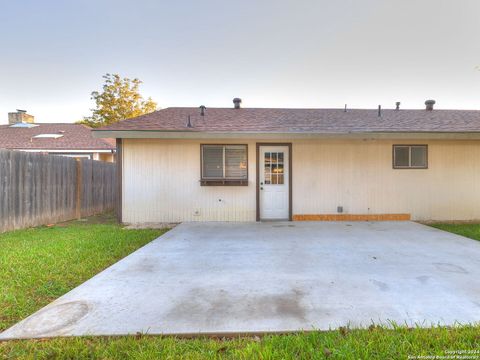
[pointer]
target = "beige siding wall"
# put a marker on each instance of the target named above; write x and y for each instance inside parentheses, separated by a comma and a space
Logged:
(358, 175)
(161, 181)
(161, 184)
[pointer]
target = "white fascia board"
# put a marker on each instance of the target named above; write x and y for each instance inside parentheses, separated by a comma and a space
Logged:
(151, 134)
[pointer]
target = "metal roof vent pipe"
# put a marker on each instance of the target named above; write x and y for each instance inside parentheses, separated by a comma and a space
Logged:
(237, 102)
(189, 122)
(202, 110)
(429, 105)
(397, 105)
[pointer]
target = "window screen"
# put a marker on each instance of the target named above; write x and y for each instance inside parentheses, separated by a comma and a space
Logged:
(410, 156)
(224, 162)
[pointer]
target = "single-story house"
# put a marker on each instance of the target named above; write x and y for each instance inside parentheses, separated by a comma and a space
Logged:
(246, 164)
(74, 140)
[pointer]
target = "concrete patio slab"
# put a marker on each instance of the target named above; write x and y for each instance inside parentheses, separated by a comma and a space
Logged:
(273, 277)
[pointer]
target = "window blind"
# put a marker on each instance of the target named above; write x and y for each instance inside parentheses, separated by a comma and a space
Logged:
(224, 162)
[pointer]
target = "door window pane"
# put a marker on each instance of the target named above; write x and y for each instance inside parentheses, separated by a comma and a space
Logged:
(267, 157)
(280, 179)
(267, 174)
(280, 157)
(268, 177)
(279, 169)
(280, 174)
(274, 168)
(274, 179)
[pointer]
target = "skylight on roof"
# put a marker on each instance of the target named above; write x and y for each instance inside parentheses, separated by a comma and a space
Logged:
(23, 125)
(50, 136)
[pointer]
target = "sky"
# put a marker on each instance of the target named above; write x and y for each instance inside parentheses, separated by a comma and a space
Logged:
(270, 53)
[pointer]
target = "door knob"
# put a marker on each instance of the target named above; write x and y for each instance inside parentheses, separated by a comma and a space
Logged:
(261, 188)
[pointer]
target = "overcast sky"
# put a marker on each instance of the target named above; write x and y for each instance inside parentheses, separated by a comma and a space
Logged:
(298, 53)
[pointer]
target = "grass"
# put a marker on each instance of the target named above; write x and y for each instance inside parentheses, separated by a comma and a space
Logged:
(373, 343)
(38, 265)
(469, 230)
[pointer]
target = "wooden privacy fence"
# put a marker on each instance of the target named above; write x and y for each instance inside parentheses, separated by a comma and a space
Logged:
(37, 189)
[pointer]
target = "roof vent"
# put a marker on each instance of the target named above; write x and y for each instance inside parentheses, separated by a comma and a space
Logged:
(47, 136)
(202, 110)
(429, 105)
(237, 102)
(23, 125)
(397, 105)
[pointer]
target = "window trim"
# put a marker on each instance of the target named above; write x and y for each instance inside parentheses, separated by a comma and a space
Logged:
(409, 157)
(222, 181)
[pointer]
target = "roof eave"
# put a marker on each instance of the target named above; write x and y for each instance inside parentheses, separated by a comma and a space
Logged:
(61, 150)
(162, 134)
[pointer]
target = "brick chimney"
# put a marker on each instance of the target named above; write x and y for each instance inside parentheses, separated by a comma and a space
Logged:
(20, 116)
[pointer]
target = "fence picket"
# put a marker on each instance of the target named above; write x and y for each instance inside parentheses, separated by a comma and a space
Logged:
(38, 189)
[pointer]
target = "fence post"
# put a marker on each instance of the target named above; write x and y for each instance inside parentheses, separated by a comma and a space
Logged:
(78, 204)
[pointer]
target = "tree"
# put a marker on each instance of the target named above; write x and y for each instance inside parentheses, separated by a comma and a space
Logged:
(118, 100)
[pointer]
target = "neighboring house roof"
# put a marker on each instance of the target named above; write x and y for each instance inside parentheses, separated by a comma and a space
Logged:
(52, 137)
(328, 121)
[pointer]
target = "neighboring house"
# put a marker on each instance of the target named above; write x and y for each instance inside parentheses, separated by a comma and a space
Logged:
(74, 140)
(241, 164)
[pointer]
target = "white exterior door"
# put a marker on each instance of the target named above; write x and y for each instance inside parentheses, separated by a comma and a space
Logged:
(274, 184)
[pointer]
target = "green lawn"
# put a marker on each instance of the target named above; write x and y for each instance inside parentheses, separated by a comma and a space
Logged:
(469, 230)
(38, 265)
(356, 344)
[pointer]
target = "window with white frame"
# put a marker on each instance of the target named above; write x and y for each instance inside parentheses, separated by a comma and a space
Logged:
(224, 162)
(410, 156)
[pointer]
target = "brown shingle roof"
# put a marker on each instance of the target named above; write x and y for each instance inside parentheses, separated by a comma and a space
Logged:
(333, 121)
(75, 137)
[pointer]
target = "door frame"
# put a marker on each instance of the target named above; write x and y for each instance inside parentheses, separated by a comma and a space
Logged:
(290, 171)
